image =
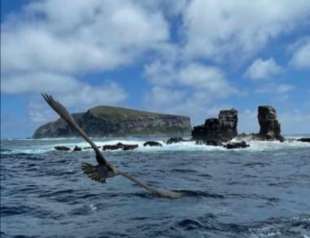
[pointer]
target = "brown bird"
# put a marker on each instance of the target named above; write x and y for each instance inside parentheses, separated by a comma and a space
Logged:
(103, 169)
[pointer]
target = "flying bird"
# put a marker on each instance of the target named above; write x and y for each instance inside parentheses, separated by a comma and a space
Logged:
(103, 169)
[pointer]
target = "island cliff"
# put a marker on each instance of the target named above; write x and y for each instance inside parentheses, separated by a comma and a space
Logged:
(115, 121)
(216, 131)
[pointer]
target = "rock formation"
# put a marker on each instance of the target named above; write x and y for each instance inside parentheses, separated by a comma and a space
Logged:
(228, 123)
(62, 148)
(236, 145)
(120, 146)
(152, 143)
(270, 128)
(304, 140)
(77, 148)
(215, 131)
(114, 121)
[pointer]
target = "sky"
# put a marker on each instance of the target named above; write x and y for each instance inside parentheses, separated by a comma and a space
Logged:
(187, 57)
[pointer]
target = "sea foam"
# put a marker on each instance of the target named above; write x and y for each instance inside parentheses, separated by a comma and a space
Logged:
(255, 146)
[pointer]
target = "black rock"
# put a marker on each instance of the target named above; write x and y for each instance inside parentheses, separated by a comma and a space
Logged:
(217, 130)
(120, 146)
(89, 147)
(62, 148)
(228, 123)
(270, 128)
(152, 143)
(113, 147)
(173, 140)
(77, 148)
(236, 145)
(304, 140)
(130, 147)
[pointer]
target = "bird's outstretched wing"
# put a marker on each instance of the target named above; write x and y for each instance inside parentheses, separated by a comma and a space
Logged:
(104, 169)
(65, 115)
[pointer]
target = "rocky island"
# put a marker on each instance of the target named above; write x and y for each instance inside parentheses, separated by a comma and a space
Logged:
(112, 121)
(218, 131)
(116, 121)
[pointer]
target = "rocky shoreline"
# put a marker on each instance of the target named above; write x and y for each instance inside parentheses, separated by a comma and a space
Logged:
(221, 131)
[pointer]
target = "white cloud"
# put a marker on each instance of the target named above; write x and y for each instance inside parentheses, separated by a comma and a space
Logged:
(76, 95)
(275, 88)
(192, 89)
(84, 36)
(160, 73)
(206, 78)
(194, 75)
(198, 105)
(301, 55)
(169, 8)
(53, 43)
(80, 99)
(106, 94)
(238, 29)
(263, 69)
(161, 97)
(38, 82)
(72, 91)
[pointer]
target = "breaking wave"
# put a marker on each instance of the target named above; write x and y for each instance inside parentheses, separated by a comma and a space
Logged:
(47, 145)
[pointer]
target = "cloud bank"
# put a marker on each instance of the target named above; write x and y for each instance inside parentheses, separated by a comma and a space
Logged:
(188, 50)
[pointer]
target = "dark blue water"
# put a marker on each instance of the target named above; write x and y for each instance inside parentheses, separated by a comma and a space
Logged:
(263, 191)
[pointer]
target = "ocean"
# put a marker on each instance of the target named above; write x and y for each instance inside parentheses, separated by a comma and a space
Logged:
(260, 191)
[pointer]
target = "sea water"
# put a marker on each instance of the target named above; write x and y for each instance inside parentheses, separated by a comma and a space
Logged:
(260, 191)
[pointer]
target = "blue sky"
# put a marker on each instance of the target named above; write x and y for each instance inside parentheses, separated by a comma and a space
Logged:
(189, 57)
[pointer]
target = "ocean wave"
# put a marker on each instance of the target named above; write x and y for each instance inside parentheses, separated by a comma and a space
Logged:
(182, 146)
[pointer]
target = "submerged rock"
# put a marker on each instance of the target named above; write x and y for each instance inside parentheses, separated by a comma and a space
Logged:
(113, 147)
(62, 148)
(120, 146)
(77, 148)
(270, 128)
(217, 130)
(304, 140)
(152, 143)
(130, 147)
(236, 145)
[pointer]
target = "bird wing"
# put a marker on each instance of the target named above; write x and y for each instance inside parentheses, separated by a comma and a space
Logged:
(91, 170)
(65, 115)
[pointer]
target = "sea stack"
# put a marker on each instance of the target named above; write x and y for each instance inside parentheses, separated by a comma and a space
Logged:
(270, 128)
(215, 131)
(228, 123)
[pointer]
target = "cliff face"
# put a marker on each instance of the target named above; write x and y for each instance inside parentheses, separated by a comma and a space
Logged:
(217, 130)
(270, 128)
(114, 121)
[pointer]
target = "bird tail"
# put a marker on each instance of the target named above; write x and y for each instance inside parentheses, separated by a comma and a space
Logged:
(92, 172)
